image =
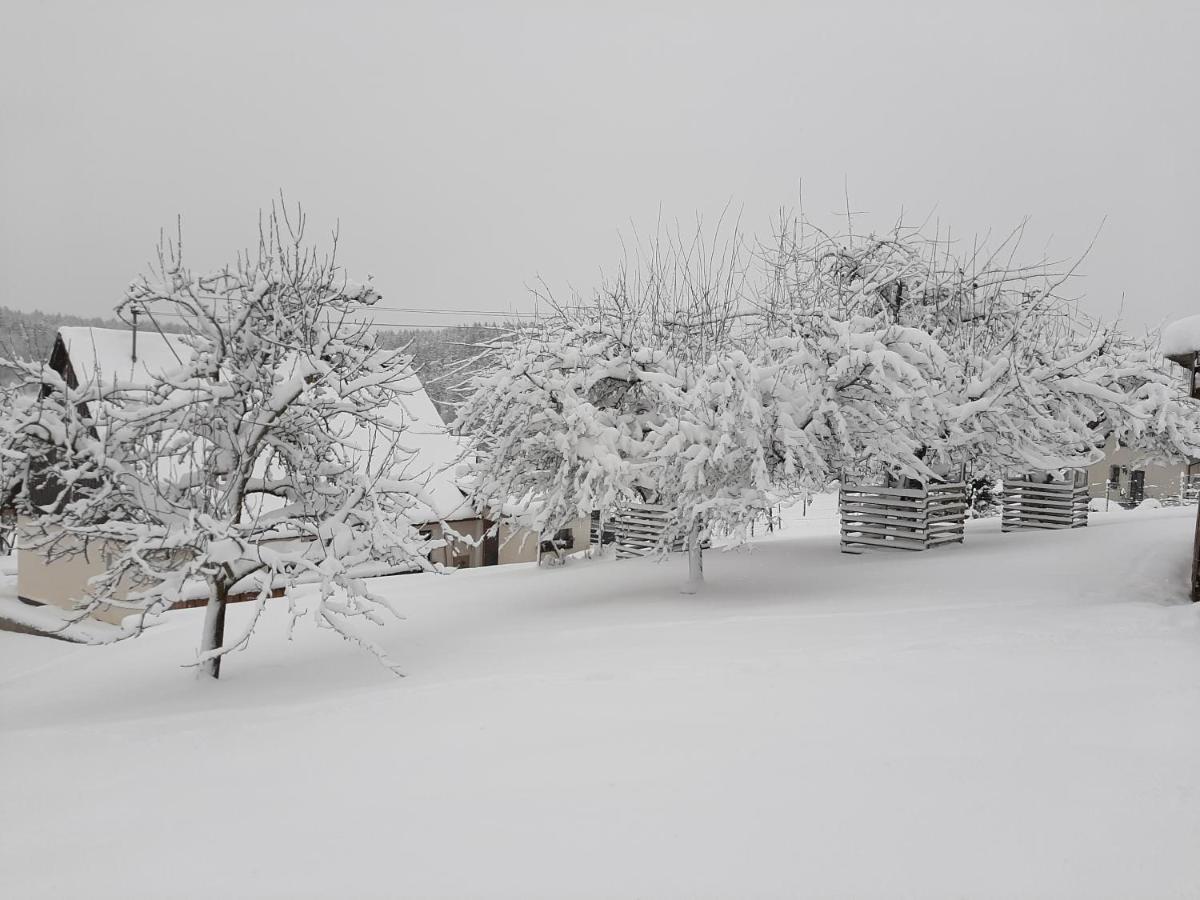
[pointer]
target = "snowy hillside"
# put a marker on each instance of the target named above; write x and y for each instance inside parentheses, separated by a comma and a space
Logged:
(1015, 717)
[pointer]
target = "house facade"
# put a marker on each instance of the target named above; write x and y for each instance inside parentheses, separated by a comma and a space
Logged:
(1123, 477)
(509, 544)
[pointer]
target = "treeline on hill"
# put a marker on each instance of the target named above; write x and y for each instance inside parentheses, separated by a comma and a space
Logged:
(443, 357)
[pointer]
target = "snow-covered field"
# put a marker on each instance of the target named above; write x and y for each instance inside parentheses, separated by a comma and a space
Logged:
(1015, 717)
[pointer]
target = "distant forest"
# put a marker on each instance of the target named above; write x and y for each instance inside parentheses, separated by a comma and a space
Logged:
(443, 357)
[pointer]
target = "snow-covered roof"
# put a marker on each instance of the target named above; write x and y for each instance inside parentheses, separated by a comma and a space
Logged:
(1182, 337)
(436, 451)
(106, 353)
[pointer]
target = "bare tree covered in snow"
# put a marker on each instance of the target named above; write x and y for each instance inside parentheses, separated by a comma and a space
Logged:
(268, 454)
(698, 379)
(1023, 379)
(625, 397)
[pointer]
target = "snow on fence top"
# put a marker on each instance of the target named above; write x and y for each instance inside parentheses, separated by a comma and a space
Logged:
(1182, 337)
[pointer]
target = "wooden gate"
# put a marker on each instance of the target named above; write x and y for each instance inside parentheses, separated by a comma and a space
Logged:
(906, 518)
(1029, 503)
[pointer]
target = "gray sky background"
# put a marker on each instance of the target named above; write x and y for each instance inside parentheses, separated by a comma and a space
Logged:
(470, 148)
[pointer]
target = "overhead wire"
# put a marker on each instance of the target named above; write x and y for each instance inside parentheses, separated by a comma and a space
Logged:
(405, 326)
(491, 314)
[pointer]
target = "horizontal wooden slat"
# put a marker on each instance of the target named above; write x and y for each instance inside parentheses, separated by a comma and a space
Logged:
(880, 490)
(1037, 487)
(905, 515)
(883, 502)
(883, 529)
(883, 542)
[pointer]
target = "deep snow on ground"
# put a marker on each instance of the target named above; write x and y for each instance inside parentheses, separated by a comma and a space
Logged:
(1015, 717)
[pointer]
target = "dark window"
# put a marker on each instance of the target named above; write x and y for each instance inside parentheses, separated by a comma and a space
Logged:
(564, 539)
(1137, 486)
(491, 544)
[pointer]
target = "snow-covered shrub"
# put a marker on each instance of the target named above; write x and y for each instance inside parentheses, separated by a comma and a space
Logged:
(983, 498)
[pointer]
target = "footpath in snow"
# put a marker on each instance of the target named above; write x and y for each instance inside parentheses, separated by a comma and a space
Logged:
(1015, 717)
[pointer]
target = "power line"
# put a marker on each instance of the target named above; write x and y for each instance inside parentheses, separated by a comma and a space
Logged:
(410, 326)
(425, 310)
(488, 313)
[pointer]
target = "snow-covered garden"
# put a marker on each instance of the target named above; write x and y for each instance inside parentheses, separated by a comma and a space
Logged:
(1014, 717)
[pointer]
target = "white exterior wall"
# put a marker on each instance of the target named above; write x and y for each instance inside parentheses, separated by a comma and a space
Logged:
(517, 545)
(63, 582)
(1162, 482)
(521, 545)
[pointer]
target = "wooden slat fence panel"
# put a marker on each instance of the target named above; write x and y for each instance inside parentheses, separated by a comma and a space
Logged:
(903, 518)
(639, 530)
(1028, 504)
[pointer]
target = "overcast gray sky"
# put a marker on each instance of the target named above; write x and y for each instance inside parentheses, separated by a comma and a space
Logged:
(470, 148)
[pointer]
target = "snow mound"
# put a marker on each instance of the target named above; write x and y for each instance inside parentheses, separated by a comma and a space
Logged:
(52, 622)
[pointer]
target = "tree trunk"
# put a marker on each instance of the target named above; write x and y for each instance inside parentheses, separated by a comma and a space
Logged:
(214, 627)
(695, 560)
